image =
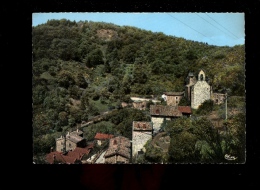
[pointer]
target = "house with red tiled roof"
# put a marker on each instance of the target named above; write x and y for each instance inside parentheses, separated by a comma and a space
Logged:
(101, 137)
(159, 113)
(185, 110)
(118, 150)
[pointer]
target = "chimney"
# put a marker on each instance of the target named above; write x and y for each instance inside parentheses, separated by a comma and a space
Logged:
(51, 149)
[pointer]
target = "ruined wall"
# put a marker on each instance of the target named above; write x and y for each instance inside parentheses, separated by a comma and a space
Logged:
(157, 122)
(200, 93)
(218, 98)
(139, 139)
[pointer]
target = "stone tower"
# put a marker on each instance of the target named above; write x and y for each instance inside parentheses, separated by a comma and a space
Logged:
(190, 81)
(200, 91)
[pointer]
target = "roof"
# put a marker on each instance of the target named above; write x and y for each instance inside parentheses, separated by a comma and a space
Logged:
(165, 110)
(102, 136)
(174, 93)
(58, 156)
(74, 138)
(185, 109)
(76, 133)
(118, 146)
(142, 125)
(78, 152)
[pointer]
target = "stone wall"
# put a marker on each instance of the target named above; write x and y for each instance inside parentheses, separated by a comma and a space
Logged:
(200, 93)
(157, 123)
(139, 139)
(218, 98)
(173, 100)
(60, 144)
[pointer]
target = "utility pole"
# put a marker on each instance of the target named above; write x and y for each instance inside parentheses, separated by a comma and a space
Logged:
(226, 105)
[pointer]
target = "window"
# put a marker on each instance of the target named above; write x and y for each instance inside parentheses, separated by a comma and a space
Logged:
(69, 145)
(201, 77)
(157, 111)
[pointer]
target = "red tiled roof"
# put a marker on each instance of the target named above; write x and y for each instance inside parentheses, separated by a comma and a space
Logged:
(101, 136)
(55, 155)
(58, 156)
(78, 153)
(185, 109)
(69, 158)
(165, 110)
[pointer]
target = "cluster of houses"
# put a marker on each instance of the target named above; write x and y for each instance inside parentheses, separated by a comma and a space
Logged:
(72, 148)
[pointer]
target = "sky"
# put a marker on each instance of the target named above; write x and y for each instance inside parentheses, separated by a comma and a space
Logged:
(220, 29)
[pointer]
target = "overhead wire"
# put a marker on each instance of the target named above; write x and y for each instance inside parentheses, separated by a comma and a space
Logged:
(221, 25)
(192, 28)
(213, 25)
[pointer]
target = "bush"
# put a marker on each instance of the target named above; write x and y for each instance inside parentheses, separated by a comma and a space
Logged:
(205, 107)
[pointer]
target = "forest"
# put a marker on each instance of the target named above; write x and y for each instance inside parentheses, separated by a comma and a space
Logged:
(83, 69)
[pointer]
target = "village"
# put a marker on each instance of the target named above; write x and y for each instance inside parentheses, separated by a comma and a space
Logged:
(73, 148)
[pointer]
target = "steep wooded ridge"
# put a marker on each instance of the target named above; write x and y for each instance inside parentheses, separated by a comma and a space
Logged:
(82, 69)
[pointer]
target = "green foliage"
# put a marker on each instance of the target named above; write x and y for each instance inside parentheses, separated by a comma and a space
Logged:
(94, 58)
(184, 102)
(205, 107)
(65, 79)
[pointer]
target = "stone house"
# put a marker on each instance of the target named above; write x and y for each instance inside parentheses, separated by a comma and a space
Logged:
(159, 113)
(173, 98)
(101, 137)
(70, 141)
(141, 132)
(118, 150)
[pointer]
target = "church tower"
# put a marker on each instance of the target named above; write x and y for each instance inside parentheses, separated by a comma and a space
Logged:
(200, 91)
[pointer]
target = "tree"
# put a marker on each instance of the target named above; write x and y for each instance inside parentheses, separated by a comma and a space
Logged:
(205, 107)
(94, 58)
(80, 81)
(182, 148)
(211, 139)
(65, 79)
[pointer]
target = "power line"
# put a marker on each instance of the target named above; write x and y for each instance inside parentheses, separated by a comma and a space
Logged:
(213, 25)
(221, 25)
(191, 28)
